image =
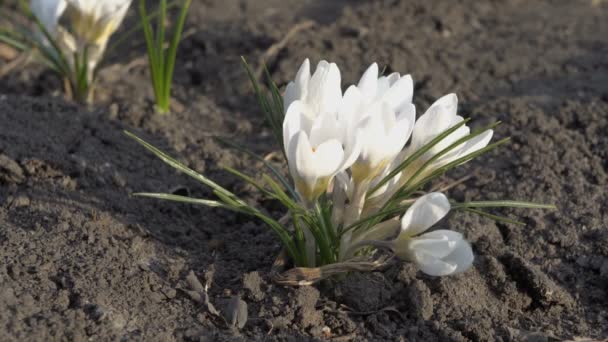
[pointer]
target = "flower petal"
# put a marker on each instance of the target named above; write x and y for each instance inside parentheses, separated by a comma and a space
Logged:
(424, 213)
(325, 127)
(368, 84)
(291, 94)
(476, 143)
(48, 12)
(293, 122)
(462, 256)
(400, 93)
(438, 243)
(433, 266)
(297, 89)
(324, 92)
(300, 159)
(438, 118)
(348, 113)
(402, 130)
(438, 248)
(327, 158)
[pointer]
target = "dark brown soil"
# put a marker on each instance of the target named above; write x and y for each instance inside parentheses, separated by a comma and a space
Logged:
(81, 260)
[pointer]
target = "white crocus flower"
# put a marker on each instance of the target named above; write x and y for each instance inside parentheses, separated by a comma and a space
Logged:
(94, 21)
(91, 22)
(312, 135)
(437, 119)
(383, 134)
(440, 117)
(381, 109)
(437, 253)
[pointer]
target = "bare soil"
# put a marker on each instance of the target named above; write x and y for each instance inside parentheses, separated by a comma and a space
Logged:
(82, 260)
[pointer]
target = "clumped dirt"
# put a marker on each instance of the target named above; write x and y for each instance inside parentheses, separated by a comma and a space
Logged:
(80, 259)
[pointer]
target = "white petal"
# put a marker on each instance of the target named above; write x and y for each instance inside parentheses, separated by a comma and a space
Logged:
(348, 113)
(433, 266)
(438, 243)
(400, 133)
(424, 213)
(394, 77)
(327, 158)
(325, 127)
(324, 92)
(48, 12)
(459, 133)
(300, 159)
(442, 234)
(476, 143)
(462, 256)
(464, 149)
(352, 150)
(302, 79)
(303, 75)
(438, 118)
(373, 138)
(438, 248)
(292, 123)
(290, 95)
(400, 93)
(369, 82)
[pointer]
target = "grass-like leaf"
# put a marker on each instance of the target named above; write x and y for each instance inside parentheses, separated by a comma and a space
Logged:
(268, 165)
(179, 166)
(185, 199)
(496, 218)
(503, 204)
(228, 200)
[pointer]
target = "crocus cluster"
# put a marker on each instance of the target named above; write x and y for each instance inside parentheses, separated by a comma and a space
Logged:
(79, 26)
(342, 145)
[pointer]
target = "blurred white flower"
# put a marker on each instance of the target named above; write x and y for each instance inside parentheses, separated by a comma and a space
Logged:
(94, 21)
(312, 135)
(89, 24)
(437, 253)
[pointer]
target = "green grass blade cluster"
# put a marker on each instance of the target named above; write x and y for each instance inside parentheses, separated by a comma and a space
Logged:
(227, 199)
(161, 59)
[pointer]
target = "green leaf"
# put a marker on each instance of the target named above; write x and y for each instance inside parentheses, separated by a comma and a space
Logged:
(13, 42)
(172, 51)
(185, 199)
(155, 72)
(281, 195)
(272, 169)
(179, 166)
(139, 26)
(503, 204)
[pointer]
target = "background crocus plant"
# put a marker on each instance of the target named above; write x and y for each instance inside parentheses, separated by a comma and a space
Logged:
(358, 190)
(70, 37)
(161, 58)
